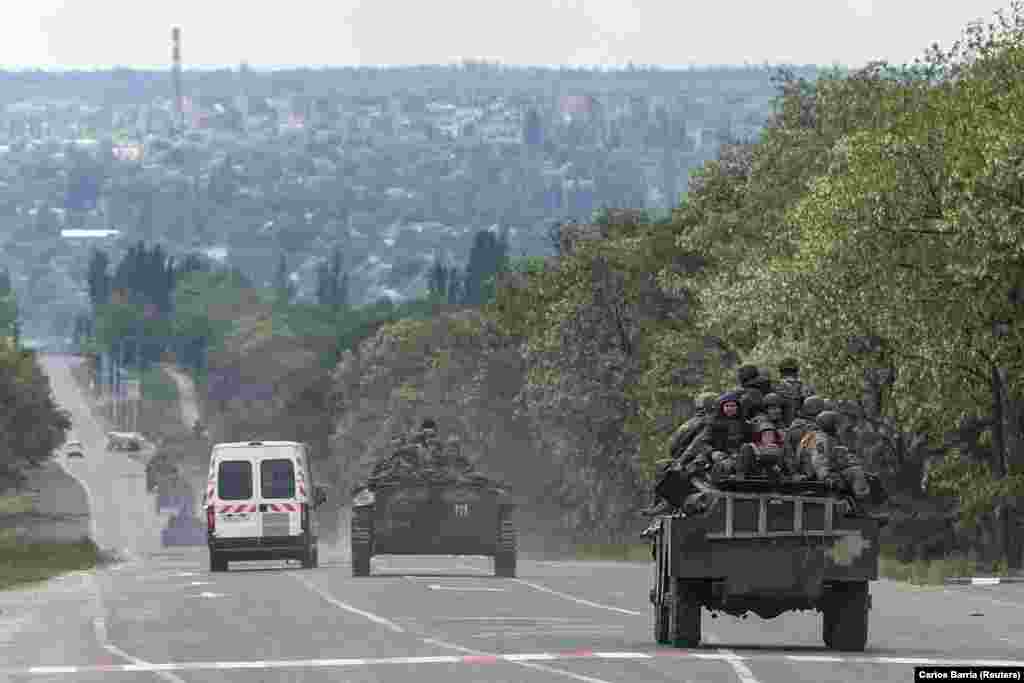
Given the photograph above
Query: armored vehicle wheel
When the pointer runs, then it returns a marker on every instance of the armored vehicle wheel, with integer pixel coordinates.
(684, 613)
(845, 620)
(362, 540)
(218, 563)
(505, 558)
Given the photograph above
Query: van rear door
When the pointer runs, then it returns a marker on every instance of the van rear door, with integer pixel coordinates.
(280, 511)
(234, 502)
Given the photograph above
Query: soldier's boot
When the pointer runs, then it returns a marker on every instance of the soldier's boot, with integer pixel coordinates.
(662, 507)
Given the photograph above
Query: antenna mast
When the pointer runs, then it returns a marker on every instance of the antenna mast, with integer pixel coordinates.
(179, 110)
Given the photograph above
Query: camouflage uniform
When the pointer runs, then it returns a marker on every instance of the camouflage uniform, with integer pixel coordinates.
(705, 405)
(830, 460)
(720, 441)
(803, 424)
(792, 388)
(404, 461)
(765, 455)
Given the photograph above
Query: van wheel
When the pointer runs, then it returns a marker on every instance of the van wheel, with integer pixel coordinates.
(362, 540)
(218, 563)
(309, 558)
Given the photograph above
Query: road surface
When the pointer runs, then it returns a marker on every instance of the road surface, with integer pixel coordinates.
(163, 616)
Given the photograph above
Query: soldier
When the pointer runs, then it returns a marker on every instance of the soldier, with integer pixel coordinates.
(720, 441)
(792, 388)
(765, 455)
(824, 451)
(804, 423)
(705, 405)
(751, 404)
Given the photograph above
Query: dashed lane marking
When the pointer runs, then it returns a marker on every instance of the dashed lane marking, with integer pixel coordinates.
(375, 618)
(437, 587)
(514, 658)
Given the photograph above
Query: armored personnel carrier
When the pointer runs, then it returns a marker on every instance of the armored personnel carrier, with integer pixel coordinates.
(766, 547)
(433, 515)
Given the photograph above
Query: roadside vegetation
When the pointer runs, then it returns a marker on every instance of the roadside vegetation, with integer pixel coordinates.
(23, 564)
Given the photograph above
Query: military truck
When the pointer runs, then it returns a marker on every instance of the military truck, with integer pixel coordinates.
(766, 547)
(433, 517)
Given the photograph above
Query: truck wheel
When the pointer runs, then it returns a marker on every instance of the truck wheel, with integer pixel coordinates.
(684, 613)
(847, 626)
(362, 540)
(218, 563)
(505, 558)
(661, 624)
(828, 623)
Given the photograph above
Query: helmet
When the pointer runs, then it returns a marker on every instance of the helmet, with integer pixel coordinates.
(773, 399)
(828, 421)
(706, 402)
(747, 373)
(789, 365)
(812, 406)
(728, 397)
(428, 424)
(752, 400)
(830, 404)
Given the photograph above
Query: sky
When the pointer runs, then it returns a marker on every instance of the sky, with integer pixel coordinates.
(56, 34)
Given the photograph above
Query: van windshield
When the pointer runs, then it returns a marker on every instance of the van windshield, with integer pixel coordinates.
(234, 480)
(277, 479)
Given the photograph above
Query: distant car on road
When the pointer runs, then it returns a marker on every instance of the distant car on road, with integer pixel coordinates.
(74, 449)
(132, 442)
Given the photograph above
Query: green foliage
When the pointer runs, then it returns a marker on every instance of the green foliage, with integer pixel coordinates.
(28, 563)
(31, 425)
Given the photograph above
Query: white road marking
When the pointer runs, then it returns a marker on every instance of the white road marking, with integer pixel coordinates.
(437, 587)
(476, 658)
(521, 661)
(377, 619)
(206, 594)
(579, 601)
(199, 583)
(742, 670)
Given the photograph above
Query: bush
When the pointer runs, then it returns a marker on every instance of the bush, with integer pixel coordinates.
(27, 563)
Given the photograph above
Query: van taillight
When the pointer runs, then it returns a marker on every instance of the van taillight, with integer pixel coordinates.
(211, 519)
(305, 513)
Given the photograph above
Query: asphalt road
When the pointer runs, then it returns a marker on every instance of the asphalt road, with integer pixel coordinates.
(164, 617)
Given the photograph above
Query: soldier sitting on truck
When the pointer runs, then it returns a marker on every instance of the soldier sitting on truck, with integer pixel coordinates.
(764, 456)
(713, 451)
(792, 388)
(832, 462)
(803, 424)
(404, 460)
(705, 407)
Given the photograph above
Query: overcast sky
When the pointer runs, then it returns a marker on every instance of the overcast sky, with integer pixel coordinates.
(104, 33)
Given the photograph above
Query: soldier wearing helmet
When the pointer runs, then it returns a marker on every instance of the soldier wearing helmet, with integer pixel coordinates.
(803, 424)
(714, 446)
(823, 450)
(705, 405)
(791, 387)
(765, 454)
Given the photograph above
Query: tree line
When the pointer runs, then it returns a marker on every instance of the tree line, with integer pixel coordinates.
(873, 231)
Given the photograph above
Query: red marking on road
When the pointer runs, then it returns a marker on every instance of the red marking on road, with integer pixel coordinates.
(480, 659)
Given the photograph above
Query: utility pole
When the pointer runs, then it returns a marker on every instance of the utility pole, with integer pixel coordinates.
(179, 109)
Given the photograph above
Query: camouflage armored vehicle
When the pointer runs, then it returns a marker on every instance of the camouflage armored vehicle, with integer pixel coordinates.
(433, 516)
(766, 547)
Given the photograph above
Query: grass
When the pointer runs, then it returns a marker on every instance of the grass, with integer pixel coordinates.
(614, 552)
(27, 563)
(14, 505)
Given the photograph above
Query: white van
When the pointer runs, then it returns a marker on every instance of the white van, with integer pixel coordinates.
(260, 498)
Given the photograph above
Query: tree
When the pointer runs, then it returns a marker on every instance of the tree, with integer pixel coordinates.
(32, 426)
(487, 258)
(332, 283)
